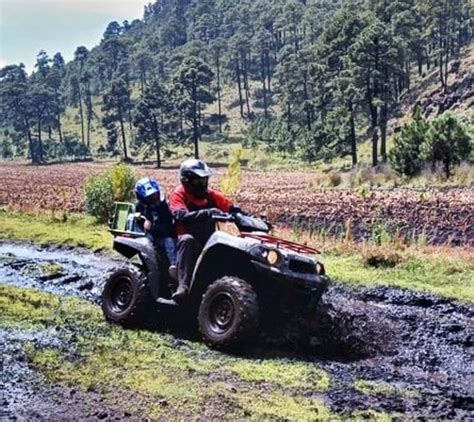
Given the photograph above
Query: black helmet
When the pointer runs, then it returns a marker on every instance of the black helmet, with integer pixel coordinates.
(194, 175)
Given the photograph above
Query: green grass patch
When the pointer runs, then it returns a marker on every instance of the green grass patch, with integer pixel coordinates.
(383, 388)
(450, 275)
(285, 374)
(282, 407)
(148, 367)
(50, 228)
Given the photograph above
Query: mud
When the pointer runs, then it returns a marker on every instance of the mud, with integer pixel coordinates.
(414, 351)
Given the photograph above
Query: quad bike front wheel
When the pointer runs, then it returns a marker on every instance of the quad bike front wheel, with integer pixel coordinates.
(126, 298)
(228, 314)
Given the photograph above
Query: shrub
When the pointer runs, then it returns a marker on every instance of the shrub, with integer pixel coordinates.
(405, 155)
(230, 184)
(447, 142)
(335, 179)
(102, 190)
(380, 257)
(444, 140)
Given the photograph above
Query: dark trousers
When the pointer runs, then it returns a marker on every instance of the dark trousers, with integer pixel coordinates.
(189, 249)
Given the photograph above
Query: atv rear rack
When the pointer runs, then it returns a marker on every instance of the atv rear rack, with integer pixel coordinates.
(280, 243)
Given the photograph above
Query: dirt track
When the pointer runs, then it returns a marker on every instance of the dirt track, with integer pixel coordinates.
(419, 343)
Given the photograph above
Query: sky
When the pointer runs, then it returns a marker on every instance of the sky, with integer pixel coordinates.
(27, 26)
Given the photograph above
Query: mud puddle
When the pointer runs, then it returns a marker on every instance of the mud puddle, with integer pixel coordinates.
(386, 349)
(55, 270)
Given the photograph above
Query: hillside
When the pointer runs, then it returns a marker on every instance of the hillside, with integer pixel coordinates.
(305, 80)
(458, 99)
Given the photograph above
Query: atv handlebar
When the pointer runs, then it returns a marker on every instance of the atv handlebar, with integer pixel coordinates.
(223, 218)
(245, 223)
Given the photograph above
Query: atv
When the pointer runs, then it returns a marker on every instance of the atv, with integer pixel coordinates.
(239, 281)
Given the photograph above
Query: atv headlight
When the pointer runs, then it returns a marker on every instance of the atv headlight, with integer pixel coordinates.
(273, 257)
(320, 270)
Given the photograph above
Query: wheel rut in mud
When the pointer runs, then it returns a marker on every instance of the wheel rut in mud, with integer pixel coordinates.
(386, 349)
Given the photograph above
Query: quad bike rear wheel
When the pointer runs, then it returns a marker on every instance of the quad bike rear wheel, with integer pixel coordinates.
(126, 298)
(228, 314)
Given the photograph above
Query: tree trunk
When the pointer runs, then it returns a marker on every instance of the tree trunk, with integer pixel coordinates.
(307, 106)
(40, 142)
(352, 135)
(246, 85)
(195, 125)
(82, 115)
(60, 132)
(375, 138)
(264, 88)
(288, 116)
(269, 73)
(219, 104)
(31, 146)
(239, 87)
(124, 140)
(383, 133)
(156, 134)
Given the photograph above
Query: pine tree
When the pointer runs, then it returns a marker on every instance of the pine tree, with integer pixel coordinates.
(190, 89)
(150, 114)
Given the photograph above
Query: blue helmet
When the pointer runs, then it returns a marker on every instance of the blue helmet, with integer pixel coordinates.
(145, 188)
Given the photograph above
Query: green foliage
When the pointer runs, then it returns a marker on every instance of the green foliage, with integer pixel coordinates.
(231, 182)
(443, 140)
(101, 191)
(405, 155)
(447, 142)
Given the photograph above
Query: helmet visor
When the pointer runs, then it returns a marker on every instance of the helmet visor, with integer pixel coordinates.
(199, 182)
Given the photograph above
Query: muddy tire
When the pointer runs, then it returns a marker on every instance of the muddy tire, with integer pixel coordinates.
(126, 298)
(228, 314)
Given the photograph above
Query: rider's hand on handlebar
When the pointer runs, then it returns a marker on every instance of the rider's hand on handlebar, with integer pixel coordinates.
(211, 212)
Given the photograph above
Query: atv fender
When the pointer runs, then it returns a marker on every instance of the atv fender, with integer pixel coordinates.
(219, 240)
(143, 247)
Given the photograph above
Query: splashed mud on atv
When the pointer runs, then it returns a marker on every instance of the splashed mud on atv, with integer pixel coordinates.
(386, 349)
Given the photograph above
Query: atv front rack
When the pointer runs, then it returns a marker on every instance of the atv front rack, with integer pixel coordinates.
(280, 243)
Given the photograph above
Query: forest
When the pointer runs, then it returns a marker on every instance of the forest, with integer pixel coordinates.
(309, 78)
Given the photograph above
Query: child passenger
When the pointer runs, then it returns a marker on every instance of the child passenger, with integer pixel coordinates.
(157, 218)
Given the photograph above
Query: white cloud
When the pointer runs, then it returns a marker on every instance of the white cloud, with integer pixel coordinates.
(130, 9)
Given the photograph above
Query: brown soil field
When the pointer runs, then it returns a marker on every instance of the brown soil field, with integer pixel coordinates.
(435, 216)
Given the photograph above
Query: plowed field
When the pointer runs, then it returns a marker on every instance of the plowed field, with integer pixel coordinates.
(436, 215)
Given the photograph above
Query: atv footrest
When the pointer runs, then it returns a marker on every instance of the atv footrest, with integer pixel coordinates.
(169, 302)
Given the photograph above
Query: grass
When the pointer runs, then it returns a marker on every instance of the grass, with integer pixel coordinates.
(160, 377)
(50, 228)
(448, 272)
(373, 388)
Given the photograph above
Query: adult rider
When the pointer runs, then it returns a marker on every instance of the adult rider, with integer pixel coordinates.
(193, 204)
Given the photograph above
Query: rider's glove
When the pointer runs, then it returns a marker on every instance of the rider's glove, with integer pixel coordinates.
(210, 212)
(237, 210)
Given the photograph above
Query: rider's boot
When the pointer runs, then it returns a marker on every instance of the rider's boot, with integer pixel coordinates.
(181, 293)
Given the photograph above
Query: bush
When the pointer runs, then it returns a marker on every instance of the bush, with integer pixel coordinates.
(447, 142)
(381, 257)
(405, 155)
(115, 185)
(444, 140)
(231, 182)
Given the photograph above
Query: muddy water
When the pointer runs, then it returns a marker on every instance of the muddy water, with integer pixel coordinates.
(55, 270)
(414, 351)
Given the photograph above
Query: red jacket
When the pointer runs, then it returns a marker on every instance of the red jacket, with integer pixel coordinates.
(182, 200)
